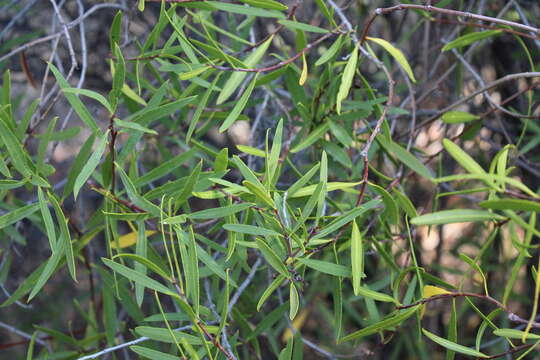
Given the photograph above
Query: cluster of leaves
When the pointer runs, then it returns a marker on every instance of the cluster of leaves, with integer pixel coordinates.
(225, 253)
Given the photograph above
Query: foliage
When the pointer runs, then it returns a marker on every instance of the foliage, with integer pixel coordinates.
(311, 238)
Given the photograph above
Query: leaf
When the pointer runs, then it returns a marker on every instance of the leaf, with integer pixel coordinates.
(90, 165)
(164, 335)
(217, 212)
(347, 218)
(259, 193)
(470, 38)
(430, 290)
(238, 76)
(270, 289)
(332, 50)
(455, 216)
(453, 346)
(386, 323)
(129, 239)
(245, 10)
(47, 219)
(271, 257)
(375, 295)
(18, 214)
(458, 117)
(78, 164)
(239, 106)
(294, 301)
(396, 54)
(14, 149)
(74, 101)
(357, 258)
(405, 157)
(515, 334)
(304, 74)
(151, 353)
(347, 78)
(326, 267)
(511, 204)
(91, 94)
(464, 159)
(137, 277)
(133, 126)
(315, 135)
(147, 263)
(250, 229)
(65, 237)
(266, 4)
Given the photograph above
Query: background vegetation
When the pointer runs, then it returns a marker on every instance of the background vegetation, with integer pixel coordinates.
(261, 179)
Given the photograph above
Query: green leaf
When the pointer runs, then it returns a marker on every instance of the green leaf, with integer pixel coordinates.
(462, 158)
(137, 277)
(238, 76)
(357, 258)
(375, 295)
(302, 181)
(511, 204)
(147, 263)
(347, 78)
(272, 258)
(332, 50)
(294, 301)
(396, 54)
(239, 106)
(250, 229)
(245, 10)
(251, 150)
(458, 117)
(453, 346)
(386, 323)
(315, 135)
(455, 216)
(165, 168)
(266, 4)
(90, 165)
(65, 235)
(74, 101)
(470, 38)
(259, 193)
(217, 212)
(78, 164)
(273, 157)
(270, 289)
(152, 354)
(405, 157)
(14, 149)
(347, 218)
(91, 94)
(326, 267)
(133, 126)
(18, 214)
(47, 218)
(164, 335)
(515, 334)
(294, 25)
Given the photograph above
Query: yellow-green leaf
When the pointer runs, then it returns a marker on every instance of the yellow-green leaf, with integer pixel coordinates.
(396, 54)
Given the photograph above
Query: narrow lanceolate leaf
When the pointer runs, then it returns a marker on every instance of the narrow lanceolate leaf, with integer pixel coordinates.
(357, 258)
(405, 157)
(469, 39)
(386, 323)
(74, 101)
(65, 236)
(17, 214)
(239, 106)
(47, 218)
(511, 204)
(272, 258)
(326, 267)
(463, 158)
(375, 295)
(217, 212)
(332, 50)
(315, 135)
(455, 216)
(90, 165)
(270, 289)
(396, 54)
(137, 277)
(250, 229)
(273, 157)
(304, 74)
(238, 76)
(295, 25)
(294, 301)
(14, 149)
(453, 346)
(347, 78)
(152, 354)
(458, 117)
(516, 334)
(133, 126)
